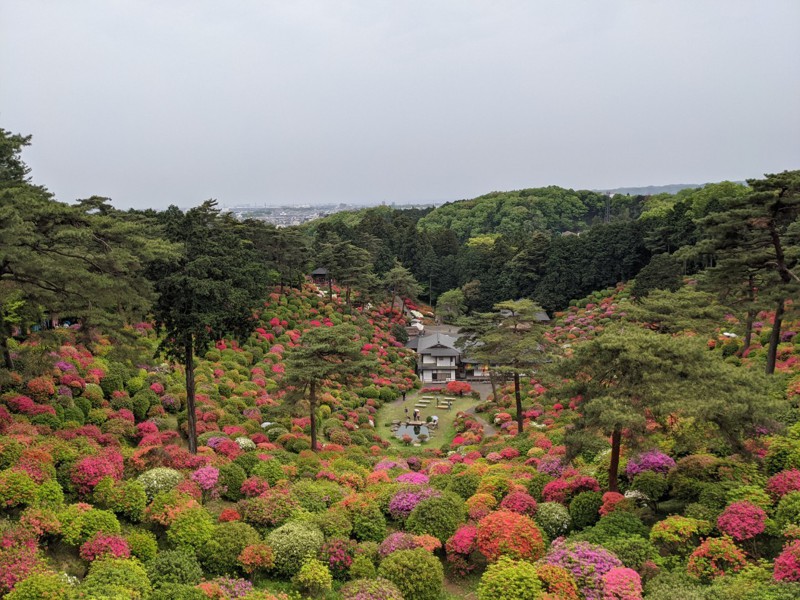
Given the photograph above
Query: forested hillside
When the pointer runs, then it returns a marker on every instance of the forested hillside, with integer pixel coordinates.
(185, 414)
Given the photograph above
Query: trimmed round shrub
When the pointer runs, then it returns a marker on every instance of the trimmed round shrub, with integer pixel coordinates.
(586, 562)
(101, 546)
(634, 551)
(369, 524)
(553, 519)
(270, 470)
(317, 496)
(79, 524)
(509, 579)
(231, 478)
(362, 567)
(616, 524)
(256, 557)
(416, 573)
(41, 586)
(370, 589)
(292, 544)
(557, 582)
(439, 517)
(652, 484)
(787, 564)
(742, 520)
(464, 484)
(505, 533)
(160, 479)
(220, 555)
(584, 509)
(127, 498)
(174, 566)
(16, 489)
(143, 544)
(622, 583)
(117, 577)
(519, 502)
(271, 508)
(788, 511)
(191, 529)
(715, 557)
(313, 578)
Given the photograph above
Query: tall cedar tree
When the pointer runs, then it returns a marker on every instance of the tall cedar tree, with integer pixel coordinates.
(401, 282)
(628, 375)
(509, 340)
(211, 291)
(757, 238)
(325, 353)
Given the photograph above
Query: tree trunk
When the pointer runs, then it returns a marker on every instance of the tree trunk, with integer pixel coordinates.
(330, 287)
(775, 338)
(347, 297)
(613, 468)
(518, 396)
(190, 408)
(748, 330)
(493, 383)
(7, 360)
(312, 401)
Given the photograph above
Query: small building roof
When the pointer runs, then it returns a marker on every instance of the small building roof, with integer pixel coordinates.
(320, 271)
(436, 351)
(436, 339)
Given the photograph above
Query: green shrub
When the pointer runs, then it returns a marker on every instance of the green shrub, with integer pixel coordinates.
(464, 485)
(416, 573)
(127, 498)
(247, 461)
(788, 511)
(583, 509)
(219, 556)
(292, 544)
(191, 529)
(616, 524)
(119, 576)
(369, 524)
(334, 522)
(362, 567)
(317, 496)
(439, 517)
(633, 550)
(174, 566)
(39, 586)
(651, 484)
(231, 478)
(94, 394)
(509, 579)
(143, 544)
(50, 495)
(553, 519)
(78, 525)
(270, 470)
(536, 485)
(313, 578)
(16, 489)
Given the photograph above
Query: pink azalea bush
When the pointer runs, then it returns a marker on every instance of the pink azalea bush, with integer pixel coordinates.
(782, 483)
(622, 583)
(652, 460)
(742, 520)
(102, 545)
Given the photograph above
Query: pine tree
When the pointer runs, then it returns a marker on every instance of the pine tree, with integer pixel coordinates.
(325, 353)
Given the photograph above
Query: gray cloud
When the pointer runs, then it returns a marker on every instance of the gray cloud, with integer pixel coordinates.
(153, 103)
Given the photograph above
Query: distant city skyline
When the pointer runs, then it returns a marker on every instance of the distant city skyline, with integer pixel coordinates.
(312, 102)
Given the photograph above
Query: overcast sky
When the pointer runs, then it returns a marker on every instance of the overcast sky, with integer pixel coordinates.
(164, 102)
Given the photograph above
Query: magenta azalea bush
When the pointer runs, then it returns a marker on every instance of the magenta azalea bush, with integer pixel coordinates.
(586, 562)
(652, 460)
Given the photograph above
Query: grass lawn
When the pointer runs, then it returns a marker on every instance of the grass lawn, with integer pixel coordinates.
(396, 411)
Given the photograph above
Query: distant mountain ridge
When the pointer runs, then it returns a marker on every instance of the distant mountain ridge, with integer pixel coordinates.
(651, 190)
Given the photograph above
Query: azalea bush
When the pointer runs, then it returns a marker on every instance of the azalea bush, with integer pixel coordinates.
(505, 533)
(509, 579)
(715, 557)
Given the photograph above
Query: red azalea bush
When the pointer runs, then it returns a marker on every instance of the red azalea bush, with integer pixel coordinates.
(506, 533)
(88, 472)
(257, 557)
(716, 557)
(102, 545)
(787, 564)
(557, 582)
(742, 520)
(519, 502)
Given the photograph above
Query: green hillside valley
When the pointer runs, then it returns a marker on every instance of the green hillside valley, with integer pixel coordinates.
(540, 394)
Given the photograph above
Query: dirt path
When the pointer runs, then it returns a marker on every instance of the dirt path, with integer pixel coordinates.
(488, 428)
